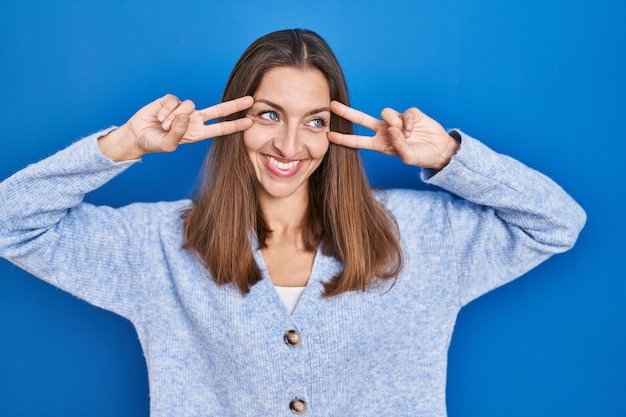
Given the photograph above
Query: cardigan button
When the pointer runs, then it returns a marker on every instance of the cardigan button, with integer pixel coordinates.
(293, 338)
(297, 406)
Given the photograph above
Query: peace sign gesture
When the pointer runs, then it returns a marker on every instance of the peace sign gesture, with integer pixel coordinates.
(196, 129)
(167, 122)
(413, 136)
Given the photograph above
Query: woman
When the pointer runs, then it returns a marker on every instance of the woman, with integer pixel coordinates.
(287, 286)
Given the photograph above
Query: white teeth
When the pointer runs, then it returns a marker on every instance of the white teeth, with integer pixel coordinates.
(283, 166)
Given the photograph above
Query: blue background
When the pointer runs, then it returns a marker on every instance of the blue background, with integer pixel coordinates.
(541, 80)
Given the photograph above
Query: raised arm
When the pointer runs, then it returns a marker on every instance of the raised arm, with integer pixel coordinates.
(96, 252)
(509, 217)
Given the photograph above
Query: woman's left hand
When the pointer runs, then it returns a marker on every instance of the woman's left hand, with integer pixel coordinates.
(413, 136)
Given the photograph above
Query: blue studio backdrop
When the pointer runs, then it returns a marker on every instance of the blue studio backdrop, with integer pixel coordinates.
(541, 80)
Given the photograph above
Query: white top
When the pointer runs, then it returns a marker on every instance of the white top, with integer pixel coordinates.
(289, 296)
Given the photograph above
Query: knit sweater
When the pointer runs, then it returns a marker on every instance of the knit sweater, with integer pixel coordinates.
(211, 351)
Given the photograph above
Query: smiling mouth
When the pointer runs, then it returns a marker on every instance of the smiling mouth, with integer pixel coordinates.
(282, 168)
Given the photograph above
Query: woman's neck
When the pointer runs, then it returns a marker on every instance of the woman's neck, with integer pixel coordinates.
(284, 216)
(287, 260)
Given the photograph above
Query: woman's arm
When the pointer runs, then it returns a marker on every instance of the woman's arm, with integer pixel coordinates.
(94, 252)
(509, 217)
(46, 229)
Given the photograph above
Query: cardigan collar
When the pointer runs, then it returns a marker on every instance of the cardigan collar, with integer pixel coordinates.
(311, 304)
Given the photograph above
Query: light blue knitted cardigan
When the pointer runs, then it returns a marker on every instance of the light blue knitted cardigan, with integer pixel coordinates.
(212, 352)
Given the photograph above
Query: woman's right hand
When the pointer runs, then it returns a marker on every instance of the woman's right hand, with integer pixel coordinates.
(168, 122)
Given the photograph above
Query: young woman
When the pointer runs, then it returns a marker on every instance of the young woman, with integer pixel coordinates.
(287, 286)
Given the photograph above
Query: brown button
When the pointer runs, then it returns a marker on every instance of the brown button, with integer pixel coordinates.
(297, 406)
(293, 338)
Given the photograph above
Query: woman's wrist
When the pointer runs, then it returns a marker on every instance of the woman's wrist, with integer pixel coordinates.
(120, 145)
(449, 150)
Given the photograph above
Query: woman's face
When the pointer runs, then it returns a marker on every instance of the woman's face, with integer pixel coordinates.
(287, 141)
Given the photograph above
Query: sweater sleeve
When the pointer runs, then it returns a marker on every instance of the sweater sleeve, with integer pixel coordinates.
(508, 219)
(47, 229)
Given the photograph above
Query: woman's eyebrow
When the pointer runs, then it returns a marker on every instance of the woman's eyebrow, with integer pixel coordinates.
(282, 110)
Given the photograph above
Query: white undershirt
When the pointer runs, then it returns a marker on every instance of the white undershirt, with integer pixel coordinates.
(289, 296)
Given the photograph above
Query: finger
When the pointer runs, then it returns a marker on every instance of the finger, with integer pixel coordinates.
(410, 117)
(168, 103)
(398, 140)
(222, 129)
(392, 117)
(226, 128)
(226, 108)
(396, 120)
(351, 141)
(403, 121)
(186, 107)
(355, 116)
(177, 130)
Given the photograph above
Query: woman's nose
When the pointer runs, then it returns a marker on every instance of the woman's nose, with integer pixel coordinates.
(287, 142)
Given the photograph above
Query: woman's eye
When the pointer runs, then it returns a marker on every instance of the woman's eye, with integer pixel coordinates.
(269, 115)
(317, 123)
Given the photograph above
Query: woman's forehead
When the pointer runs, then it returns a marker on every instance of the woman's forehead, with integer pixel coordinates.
(295, 88)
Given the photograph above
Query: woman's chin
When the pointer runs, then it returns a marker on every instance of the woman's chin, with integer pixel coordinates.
(280, 191)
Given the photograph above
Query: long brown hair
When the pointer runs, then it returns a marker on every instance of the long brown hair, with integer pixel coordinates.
(221, 225)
